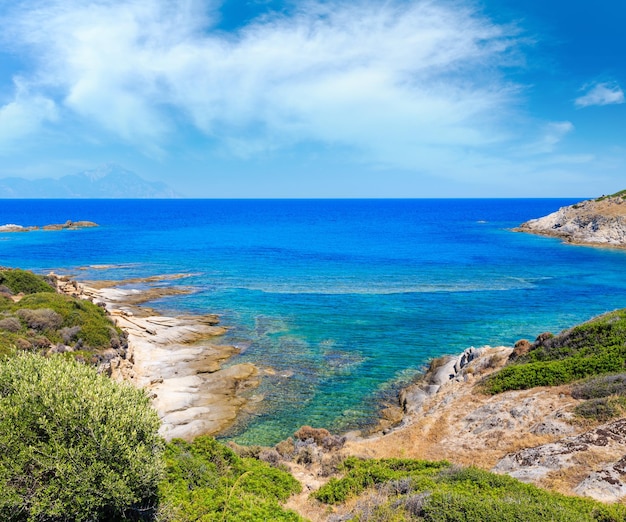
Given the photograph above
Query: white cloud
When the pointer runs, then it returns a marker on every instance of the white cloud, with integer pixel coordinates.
(385, 79)
(23, 115)
(601, 94)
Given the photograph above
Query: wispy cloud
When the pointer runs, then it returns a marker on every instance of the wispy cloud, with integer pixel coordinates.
(23, 115)
(607, 93)
(389, 80)
(551, 135)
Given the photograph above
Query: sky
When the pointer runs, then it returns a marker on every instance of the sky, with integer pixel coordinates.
(319, 98)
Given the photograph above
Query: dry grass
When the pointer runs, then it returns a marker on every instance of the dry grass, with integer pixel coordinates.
(442, 431)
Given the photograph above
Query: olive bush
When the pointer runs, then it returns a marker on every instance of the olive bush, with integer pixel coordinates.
(74, 445)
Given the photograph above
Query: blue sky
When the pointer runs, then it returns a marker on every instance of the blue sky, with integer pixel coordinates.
(269, 98)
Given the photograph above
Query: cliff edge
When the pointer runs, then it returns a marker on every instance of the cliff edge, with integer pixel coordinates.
(600, 221)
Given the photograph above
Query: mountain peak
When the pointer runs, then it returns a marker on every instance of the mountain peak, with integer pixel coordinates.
(106, 181)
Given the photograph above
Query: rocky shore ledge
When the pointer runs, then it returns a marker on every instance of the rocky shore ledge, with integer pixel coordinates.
(600, 222)
(529, 434)
(178, 360)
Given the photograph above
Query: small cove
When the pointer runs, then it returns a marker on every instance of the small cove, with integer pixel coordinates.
(337, 301)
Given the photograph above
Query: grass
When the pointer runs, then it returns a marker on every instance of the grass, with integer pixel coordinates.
(620, 194)
(403, 490)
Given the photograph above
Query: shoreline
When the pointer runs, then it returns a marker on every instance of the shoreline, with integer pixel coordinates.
(177, 359)
(569, 240)
(529, 434)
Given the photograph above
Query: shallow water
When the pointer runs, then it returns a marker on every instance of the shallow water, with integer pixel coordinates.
(340, 299)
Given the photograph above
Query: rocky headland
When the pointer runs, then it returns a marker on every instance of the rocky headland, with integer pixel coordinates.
(533, 435)
(68, 225)
(600, 222)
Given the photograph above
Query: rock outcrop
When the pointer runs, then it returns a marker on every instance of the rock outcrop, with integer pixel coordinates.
(599, 451)
(177, 360)
(441, 371)
(68, 225)
(599, 221)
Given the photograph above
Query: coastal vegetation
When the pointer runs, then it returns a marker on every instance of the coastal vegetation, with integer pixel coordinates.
(206, 481)
(17, 281)
(593, 348)
(75, 445)
(400, 490)
(605, 397)
(34, 318)
(621, 194)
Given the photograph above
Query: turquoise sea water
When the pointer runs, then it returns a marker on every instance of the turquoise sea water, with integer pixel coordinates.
(342, 299)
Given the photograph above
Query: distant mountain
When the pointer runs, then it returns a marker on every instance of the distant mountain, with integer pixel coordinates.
(108, 181)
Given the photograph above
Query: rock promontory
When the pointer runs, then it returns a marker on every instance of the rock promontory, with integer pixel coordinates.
(600, 221)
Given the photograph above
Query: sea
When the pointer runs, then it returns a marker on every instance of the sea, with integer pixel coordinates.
(339, 302)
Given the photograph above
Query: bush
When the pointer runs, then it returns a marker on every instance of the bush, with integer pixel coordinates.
(315, 434)
(599, 387)
(10, 324)
(207, 481)
(360, 474)
(402, 490)
(22, 281)
(41, 319)
(593, 348)
(96, 330)
(601, 409)
(75, 445)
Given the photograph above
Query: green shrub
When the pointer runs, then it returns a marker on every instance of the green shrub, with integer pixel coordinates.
(437, 492)
(74, 444)
(23, 281)
(207, 481)
(76, 320)
(361, 474)
(551, 373)
(593, 348)
(7, 343)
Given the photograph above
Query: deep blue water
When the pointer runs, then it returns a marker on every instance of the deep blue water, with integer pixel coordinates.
(342, 299)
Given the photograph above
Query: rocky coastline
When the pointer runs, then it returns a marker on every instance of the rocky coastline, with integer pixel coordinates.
(597, 222)
(177, 360)
(529, 434)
